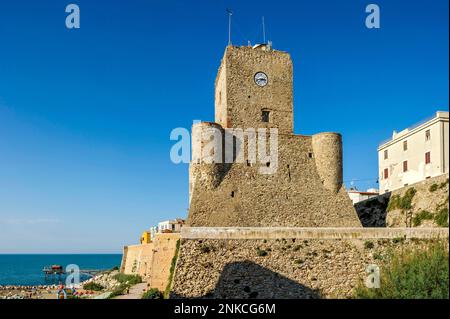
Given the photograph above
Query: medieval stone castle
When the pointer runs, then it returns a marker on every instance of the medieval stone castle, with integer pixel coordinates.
(254, 89)
(288, 232)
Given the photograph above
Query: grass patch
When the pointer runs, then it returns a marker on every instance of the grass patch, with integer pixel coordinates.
(433, 188)
(152, 294)
(402, 202)
(378, 256)
(129, 280)
(172, 270)
(441, 218)
(412, 274)
(120, 290)
(93, 286)
(420, 217)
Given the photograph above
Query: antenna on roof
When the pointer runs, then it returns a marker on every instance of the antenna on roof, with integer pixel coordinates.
(264, 30)
(230, 13)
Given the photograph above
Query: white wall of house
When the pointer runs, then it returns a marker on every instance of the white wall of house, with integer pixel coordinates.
(357, 197)
(403, 161)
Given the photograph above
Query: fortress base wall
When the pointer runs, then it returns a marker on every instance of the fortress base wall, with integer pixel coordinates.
(295, 195)
(151, 261)
(291, 263)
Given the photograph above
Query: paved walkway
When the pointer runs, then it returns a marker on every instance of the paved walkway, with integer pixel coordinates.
(136, 292)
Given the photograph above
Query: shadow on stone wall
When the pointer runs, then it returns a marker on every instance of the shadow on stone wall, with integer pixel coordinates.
(248, 280)
(372, 212)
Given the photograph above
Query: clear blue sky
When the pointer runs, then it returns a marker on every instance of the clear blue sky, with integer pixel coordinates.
(85, 115)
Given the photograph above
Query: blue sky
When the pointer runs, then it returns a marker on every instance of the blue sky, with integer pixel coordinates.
(85, 115)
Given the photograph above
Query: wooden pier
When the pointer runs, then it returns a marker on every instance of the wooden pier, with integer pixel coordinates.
(58, 270)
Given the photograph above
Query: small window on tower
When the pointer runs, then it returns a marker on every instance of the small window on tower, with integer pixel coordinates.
(265, 116)
(405, 145)
(427, 135)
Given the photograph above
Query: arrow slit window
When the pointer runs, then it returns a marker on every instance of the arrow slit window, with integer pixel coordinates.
(265, 116)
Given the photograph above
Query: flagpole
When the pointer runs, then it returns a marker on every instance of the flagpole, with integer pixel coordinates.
(230, 13)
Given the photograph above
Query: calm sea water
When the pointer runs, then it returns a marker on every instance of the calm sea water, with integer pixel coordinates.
(27, 269)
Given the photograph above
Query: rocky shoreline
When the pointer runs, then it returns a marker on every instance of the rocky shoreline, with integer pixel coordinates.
(28, 292)
(49, 291)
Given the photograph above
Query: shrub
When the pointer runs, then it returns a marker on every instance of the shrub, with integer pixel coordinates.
(120, 290)
(172, 270)
(378, 256)
(412, 274)
(421, 216)
(93, 286)
(261, 252)
(393, 203)
(433, 188)
(398, 240)
(441, 218)
(368, 244)
(404, 202)
(152, 294)
(128, 279)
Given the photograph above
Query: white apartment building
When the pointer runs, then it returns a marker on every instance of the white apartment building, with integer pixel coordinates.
(414, 154)
(358, 196)
(173, 226)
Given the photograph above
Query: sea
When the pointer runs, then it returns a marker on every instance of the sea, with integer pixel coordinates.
(26, 270)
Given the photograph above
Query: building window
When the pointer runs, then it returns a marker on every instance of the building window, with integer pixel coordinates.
(265, 116)
(386, 173)
(405, 145)
(405, 166)
(385, 154)
(427, 157)
(427, 135)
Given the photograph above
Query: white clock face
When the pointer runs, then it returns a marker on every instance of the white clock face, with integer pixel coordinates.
(261, 79)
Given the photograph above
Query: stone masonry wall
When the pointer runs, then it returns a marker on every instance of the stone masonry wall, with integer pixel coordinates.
(244, 99)
(278, 268)
(431, 196)
(294, 196)
(151, 261)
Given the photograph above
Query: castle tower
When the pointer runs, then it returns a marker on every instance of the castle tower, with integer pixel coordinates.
(302, 186)
(327, 149)
(254, 89)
